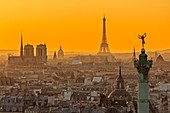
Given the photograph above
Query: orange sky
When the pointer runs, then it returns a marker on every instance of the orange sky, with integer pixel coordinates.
(77, 24)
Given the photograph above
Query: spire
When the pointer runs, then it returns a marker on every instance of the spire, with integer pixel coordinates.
(60, 47)
(120, 81)
(120, 75)
(55, 56)
(134, 54)
(104, 30)
(104, 18)
(21, 48)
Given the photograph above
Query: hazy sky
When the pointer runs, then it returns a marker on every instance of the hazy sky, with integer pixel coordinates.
(77, 24)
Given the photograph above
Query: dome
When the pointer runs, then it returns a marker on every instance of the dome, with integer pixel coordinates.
(160, 59)
(120, 93)
(60, 53)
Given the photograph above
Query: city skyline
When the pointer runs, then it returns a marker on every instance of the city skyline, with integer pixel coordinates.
(85, 56)
(74, 24)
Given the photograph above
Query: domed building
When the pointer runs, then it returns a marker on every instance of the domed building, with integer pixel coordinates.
(160, 59)
(160, 63)
(60, 53)
(118, 97)
(120, 92)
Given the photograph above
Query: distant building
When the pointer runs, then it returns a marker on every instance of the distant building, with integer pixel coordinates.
(161, 63)
(55, 56)
(86, 96)
(60, 53)
(21, 48)
(120, 92)
(94, 58)
(20, 103)
(12, 104)
(80, 81)
(41, 53)
(27, 56)
(160, 59)
(28, 50)
(118, 97)
(6, 81)
(76, 62)
(134, 55)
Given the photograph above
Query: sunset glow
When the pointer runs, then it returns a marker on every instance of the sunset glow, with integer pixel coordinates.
(77, 24)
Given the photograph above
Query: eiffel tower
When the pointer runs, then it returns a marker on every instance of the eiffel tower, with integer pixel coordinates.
(104, 47)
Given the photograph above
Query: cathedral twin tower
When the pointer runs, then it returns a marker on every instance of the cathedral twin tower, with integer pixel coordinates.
(28, 50)
(27, 56)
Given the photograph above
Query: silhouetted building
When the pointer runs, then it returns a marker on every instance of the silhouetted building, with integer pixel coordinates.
(60, 53)
(27, 56)
(118, 97)
(160, 59)
(95, 58)
(55, 56)
(134, 55)
(120, 92)
(29, 50)
(161, 63)
(21, 48)
(41, 53)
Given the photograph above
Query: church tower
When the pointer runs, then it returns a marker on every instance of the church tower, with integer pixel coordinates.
(21, 48)
(120, 80)
(55, 56)
(104, 47)
(134, 55)
(120, 93)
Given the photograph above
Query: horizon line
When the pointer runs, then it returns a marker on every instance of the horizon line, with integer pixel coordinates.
(75, 51)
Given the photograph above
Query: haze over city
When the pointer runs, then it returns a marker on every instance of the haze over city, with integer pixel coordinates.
(77, 25)
(84, 56)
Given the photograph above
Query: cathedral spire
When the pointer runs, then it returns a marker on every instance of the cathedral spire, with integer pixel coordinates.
(55, 56)
(134, 54)
(120, 81)
(120, 74)
(21, 48)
